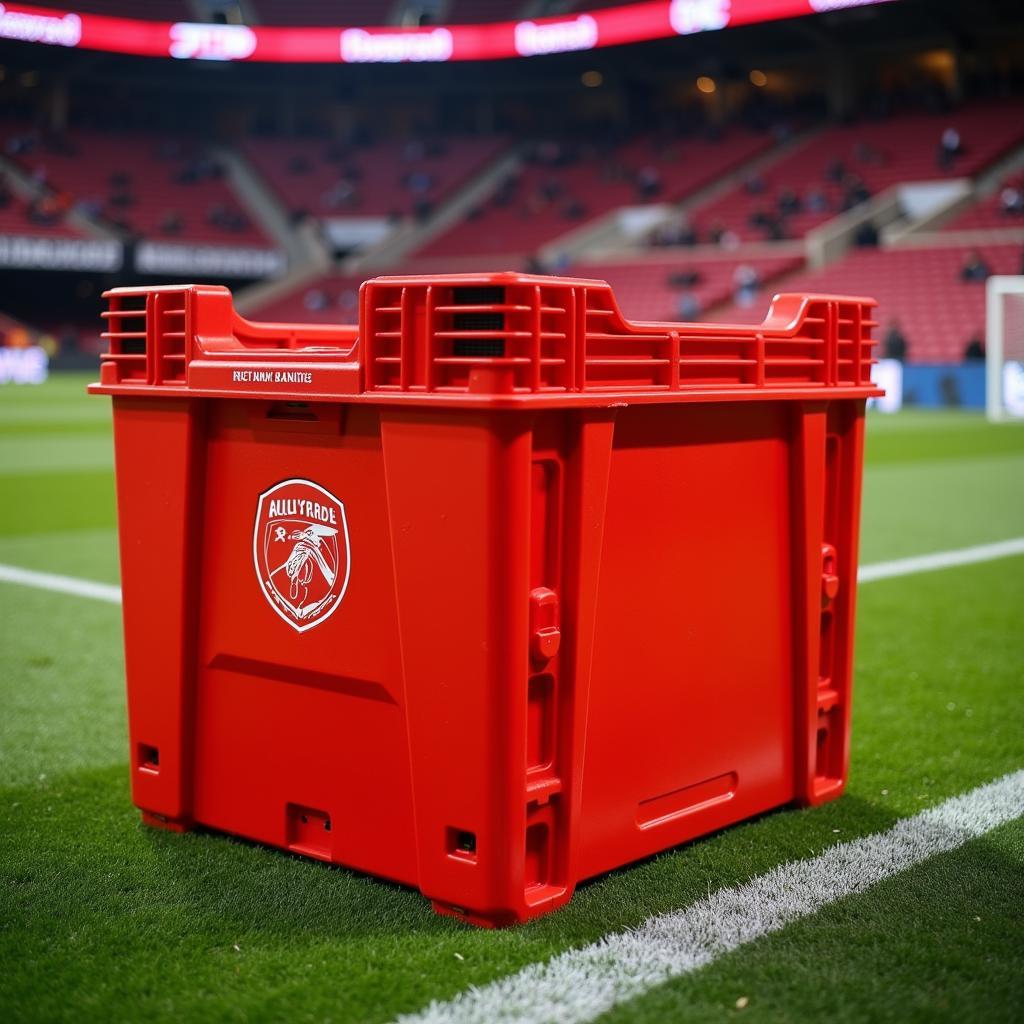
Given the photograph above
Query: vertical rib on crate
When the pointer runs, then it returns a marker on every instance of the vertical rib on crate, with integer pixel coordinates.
(125, 361)
(802, 357)
(169, 332)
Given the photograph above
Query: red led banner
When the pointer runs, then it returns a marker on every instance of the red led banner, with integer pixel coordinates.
(585, 30)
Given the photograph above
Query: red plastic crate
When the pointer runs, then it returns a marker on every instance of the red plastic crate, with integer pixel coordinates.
(496, 591)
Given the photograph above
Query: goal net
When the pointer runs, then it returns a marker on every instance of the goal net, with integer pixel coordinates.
(1004, 346)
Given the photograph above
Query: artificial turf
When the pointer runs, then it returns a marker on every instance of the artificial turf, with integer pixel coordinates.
(101, 918)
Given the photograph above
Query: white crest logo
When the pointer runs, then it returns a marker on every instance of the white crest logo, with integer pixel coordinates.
(300, 548)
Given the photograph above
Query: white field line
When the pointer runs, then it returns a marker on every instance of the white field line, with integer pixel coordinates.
(60, 584)
(940, 560)
(582, 984)
(866, 573)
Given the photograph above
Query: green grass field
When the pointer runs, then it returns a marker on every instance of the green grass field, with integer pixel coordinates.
(102, 919)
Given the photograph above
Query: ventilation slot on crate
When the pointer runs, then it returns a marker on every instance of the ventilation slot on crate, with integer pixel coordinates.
(169, 332)
(461, 844)
(308, 831)
(478, 320)
(387, 312)
(125, 362)
(480, 339)
(148, 759)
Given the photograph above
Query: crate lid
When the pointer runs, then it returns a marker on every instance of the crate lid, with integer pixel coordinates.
(503, 339)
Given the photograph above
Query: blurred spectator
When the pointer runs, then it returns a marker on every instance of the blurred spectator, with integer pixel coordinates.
(769, 224)
(221, 216)
(550, 189)
(559, 262)
(788, 202)
(418, 182)
(867, 154)
(6, 196)
(817, 201)
(348, 300)
(172, 223)
(1011, 201)
(950, 147)
(895, 344)
(216, 214)
(45, 209)
(341, 193)
(648, 182)
(974, 350)
(21, 145)
(550, 153)
(726, 238)
(685, 278)
(315, 300)
(835, 171)
(121, 191)
(866, 236)
(413, 150)
(754, 184)
(745, 281)
(89, 206)
(975, 269)
(689, 306)
(855, 192)
(758, 217)
(199, 168)
(678, 232)
(574, 210)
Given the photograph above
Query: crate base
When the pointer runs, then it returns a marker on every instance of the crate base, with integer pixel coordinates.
(167, 824)
(504, 920)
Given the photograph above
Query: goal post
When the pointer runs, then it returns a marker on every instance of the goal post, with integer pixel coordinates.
(1004, 347)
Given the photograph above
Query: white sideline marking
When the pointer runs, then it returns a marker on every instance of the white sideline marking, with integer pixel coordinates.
(62, 584)
(582, 984)
(866, 573)
(941, 560)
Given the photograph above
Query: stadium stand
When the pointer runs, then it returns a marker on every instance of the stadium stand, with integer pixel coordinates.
(842, 166)
(43, 216)
(1003, 209)
(383, 179)
(563, 187)
(646, 291)
(148, 186)
(921, 289)
(657, 289)
(329, 299)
